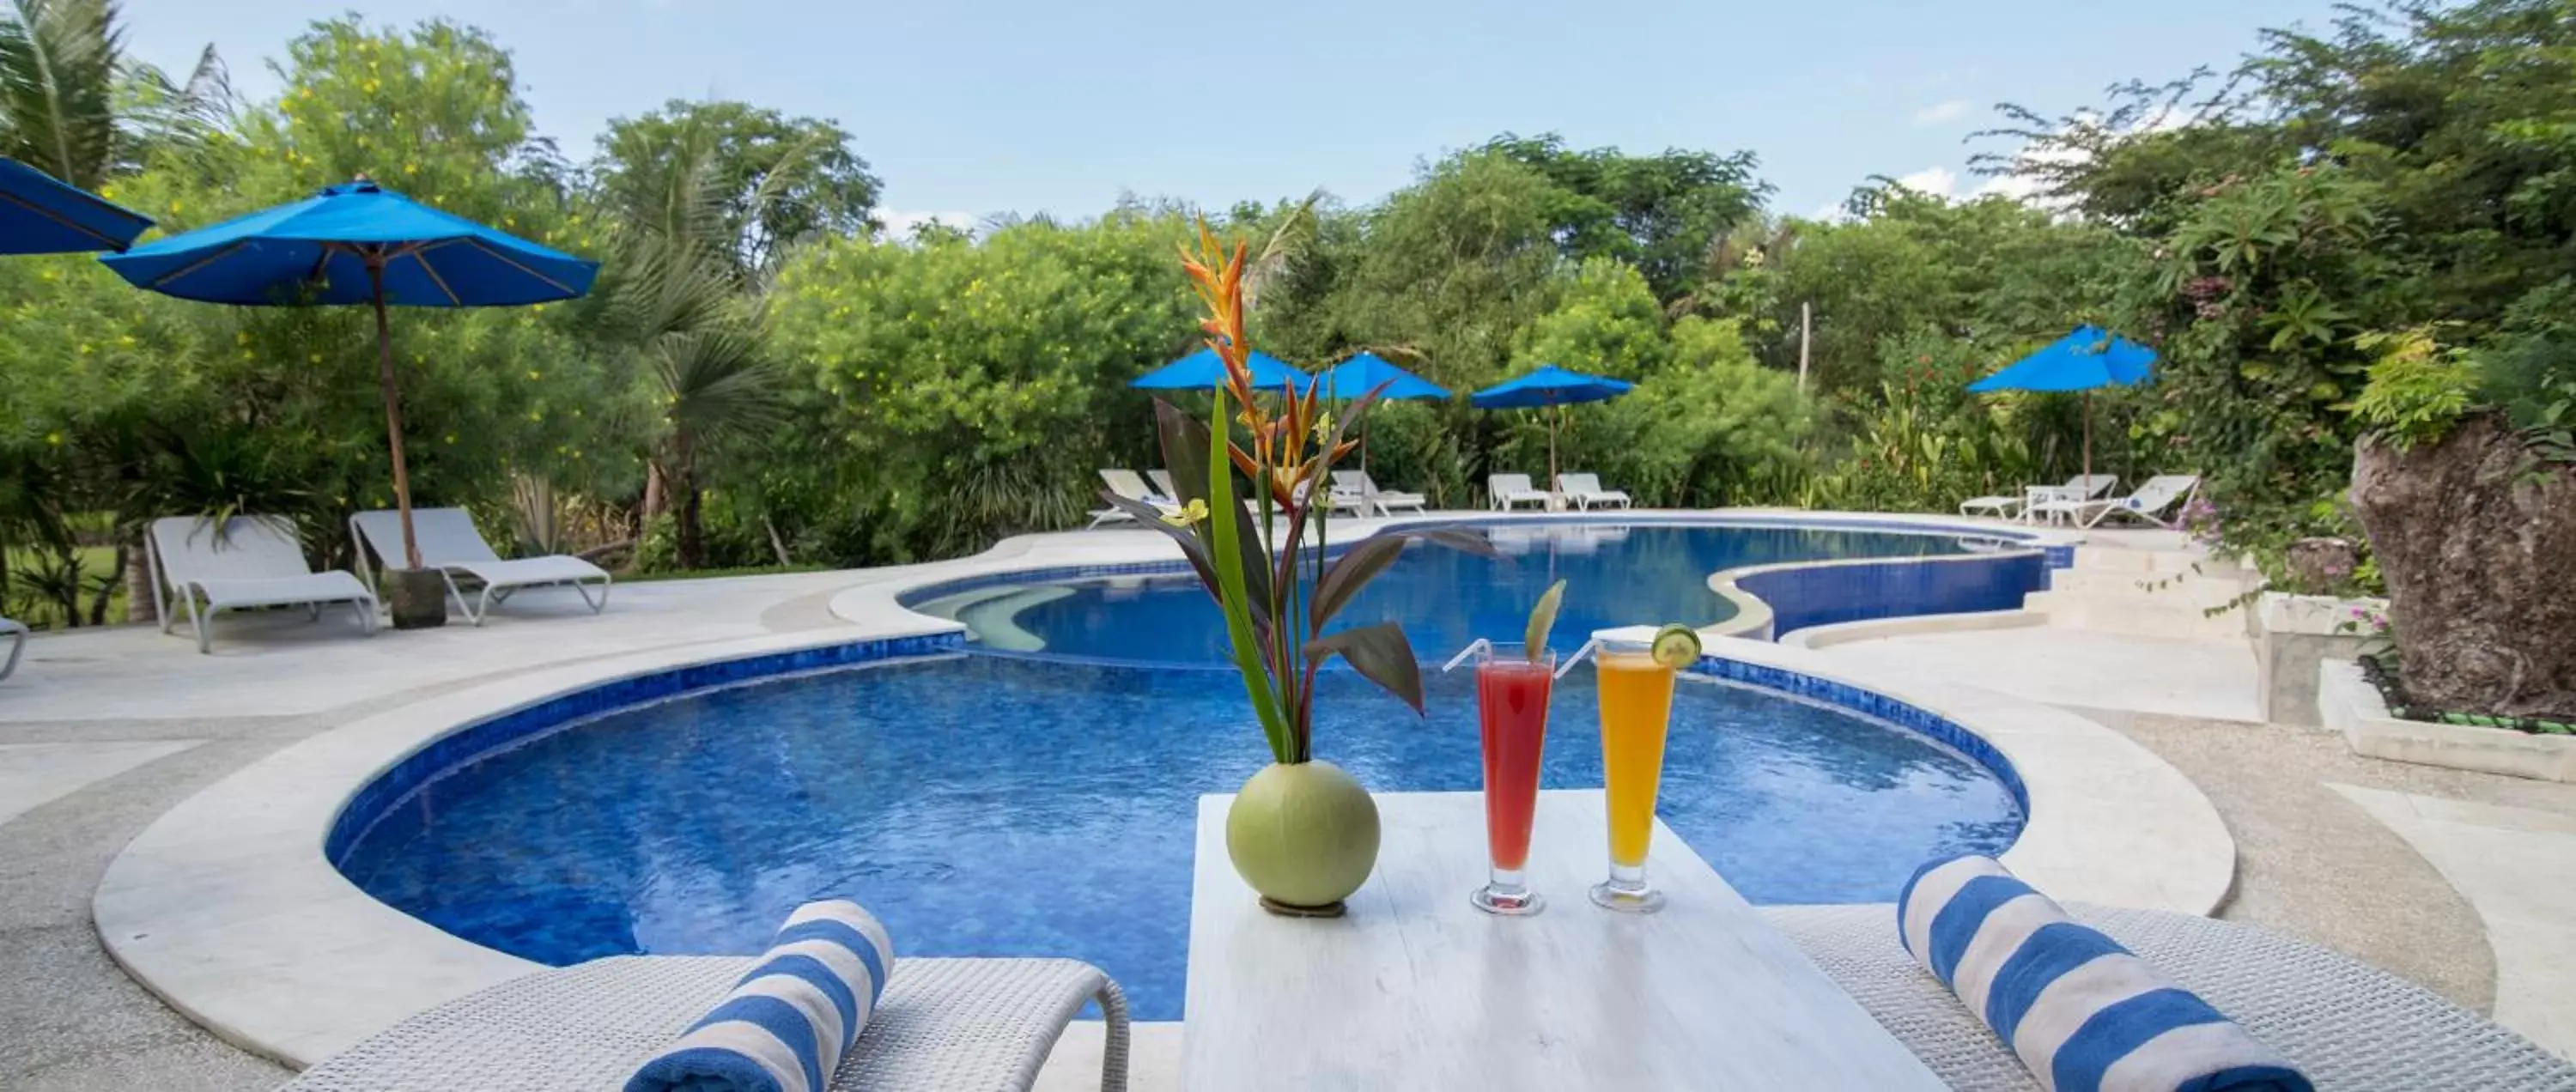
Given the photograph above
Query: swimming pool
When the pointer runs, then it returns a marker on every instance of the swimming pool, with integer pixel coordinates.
(1617, 573)
(1007, 805)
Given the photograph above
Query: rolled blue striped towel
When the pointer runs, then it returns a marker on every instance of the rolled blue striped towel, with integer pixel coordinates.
(786, 1024)
(2083, 1013)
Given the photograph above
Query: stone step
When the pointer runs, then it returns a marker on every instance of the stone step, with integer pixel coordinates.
(2183, 587)
(2115, 559)
(2141, 615)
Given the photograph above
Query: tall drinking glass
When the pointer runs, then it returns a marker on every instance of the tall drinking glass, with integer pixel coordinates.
(1511, 706)
(1636, 709)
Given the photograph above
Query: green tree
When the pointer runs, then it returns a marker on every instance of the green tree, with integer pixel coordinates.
(978, 383)
(776, 180)
(1664, 214)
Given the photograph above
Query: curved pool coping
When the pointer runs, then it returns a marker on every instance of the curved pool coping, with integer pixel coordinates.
(1753, 615)
(228, 907)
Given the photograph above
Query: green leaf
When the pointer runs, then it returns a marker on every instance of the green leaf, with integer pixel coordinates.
(1380, 654)
(1189, 450)
(1226, 556)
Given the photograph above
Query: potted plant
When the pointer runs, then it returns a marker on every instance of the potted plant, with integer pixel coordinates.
(1302, 832)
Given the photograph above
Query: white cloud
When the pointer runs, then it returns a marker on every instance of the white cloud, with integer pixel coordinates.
(1939, 112)
(1936, 181)
(899, 223)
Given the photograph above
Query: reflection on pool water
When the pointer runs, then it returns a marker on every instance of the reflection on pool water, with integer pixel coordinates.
(1002, 805)
(1616, 574)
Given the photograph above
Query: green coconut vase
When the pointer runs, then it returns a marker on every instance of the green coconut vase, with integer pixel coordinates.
(1304, 836)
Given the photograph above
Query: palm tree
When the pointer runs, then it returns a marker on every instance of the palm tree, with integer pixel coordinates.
(684, 303)
(74, 106)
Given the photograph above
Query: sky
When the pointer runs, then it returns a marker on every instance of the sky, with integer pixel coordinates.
(967, 108)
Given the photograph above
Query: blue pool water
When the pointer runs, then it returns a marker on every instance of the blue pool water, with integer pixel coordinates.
(1005, 805)
(1615, 574)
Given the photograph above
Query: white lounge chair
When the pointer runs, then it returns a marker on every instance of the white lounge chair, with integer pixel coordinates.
(1359, 484)
(251, 561)
(2079, 487)
(2147, 504)
(16, 632)
(1585, 491)
(1125, 483)
(450, 544)
(1163, 484)
(1507, 491)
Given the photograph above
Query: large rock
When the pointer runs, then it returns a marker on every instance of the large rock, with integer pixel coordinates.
(2477, 542)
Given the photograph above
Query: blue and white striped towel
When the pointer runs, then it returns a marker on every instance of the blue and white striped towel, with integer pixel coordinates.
(2082, 1012)
(787, 1023)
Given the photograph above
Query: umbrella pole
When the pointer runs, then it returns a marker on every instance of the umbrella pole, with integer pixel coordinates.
(2088, 440)
(393, 408)
(1554, 502)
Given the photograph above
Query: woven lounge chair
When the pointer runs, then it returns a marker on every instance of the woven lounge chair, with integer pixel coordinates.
(1507, 491)
(450, 544)
(944, 1025)
(2079, 487)
(251, 561)
(16, 632)
(2344, 1023)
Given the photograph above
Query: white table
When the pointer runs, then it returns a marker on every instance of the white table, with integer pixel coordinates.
(1417, 989)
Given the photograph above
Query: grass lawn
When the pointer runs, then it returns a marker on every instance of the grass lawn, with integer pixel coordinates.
(23, 601)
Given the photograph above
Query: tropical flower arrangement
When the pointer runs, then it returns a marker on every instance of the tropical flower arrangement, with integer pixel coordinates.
(1297, 829)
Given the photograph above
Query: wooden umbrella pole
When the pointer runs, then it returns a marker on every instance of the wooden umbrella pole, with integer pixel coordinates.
(375, 260)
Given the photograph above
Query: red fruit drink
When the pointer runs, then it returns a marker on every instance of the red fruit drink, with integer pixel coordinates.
(1511, 702)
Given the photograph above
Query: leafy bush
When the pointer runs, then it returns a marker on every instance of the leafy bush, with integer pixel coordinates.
(2417, 390)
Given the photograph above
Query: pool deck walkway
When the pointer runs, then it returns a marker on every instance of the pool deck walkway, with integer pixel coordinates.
(101, 732)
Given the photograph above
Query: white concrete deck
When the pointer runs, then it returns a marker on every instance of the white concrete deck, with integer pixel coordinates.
(2210, 680)
(2517, 866)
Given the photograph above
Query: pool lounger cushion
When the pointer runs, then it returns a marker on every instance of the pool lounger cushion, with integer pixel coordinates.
(2344, 1023)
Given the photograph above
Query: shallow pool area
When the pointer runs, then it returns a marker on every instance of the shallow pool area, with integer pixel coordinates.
(1005, 805)
(1618, 571)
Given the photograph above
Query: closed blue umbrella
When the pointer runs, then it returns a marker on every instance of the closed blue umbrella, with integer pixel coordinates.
(1550, 386)
(40, 214)
(1204, 370)
(2085, 359)
(358, 243)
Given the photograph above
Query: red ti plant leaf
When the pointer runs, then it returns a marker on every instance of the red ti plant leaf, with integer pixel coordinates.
(1185, 453)
(1379, 653)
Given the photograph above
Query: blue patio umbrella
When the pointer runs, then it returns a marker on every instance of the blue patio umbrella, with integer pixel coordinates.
(1367, 372)
(1205, 371)
(1547, 387)
(358, 243)
(40, 214)
(2086, 358)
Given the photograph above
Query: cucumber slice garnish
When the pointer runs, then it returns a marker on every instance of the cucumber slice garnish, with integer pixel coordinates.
(1676, 646)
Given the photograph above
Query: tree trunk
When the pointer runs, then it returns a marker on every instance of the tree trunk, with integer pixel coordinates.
(138, 581)
(689, 538)
(2477, 542)
(107, 588)
(656, 494)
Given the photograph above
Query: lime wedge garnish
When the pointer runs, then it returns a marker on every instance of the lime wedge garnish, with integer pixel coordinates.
(1676, 646)
(1543, 619)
